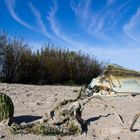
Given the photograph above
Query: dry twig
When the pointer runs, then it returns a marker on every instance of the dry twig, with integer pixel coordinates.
(120, 118)
(134, 121)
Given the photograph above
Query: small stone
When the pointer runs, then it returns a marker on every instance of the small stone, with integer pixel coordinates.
(59, 139)
(2, 136)
(75, 90)
(28, 94)
(38, 103)
(94, 136)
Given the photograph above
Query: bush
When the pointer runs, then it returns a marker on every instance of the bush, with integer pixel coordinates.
(49, 65)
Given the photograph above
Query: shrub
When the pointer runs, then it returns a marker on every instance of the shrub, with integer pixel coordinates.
(49, 65)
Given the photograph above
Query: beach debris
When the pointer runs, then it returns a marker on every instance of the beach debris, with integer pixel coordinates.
(115, 81)
(64, 119)
(6, 109)
(134, 121)
(75, 90)
(120, 118)
(63, 123)
(80, 95)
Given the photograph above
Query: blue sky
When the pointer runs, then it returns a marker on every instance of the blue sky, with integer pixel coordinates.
(108, 29)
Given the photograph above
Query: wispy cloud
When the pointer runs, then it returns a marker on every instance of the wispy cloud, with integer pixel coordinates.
(11, 4)
(56, 27)
(99, 23)
(110, 2)
(81, 10)
(87, 18)
(132, 28)
(40, 22)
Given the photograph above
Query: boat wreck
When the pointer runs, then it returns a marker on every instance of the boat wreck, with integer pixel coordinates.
(115, 80)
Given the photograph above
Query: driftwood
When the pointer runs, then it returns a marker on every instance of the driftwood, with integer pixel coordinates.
(36, 128)
(69, 125)
(134, 121)
(120, 118)
(69, 121)
(78, 97)
(64, 102)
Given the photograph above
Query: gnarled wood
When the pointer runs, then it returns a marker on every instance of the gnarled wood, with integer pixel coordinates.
(134, 121)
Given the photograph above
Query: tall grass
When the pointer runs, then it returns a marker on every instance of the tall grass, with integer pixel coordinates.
(48, 65)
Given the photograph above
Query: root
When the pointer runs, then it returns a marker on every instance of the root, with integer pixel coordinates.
(69, 122)
(134, 121)
(46, 129)
(64, 102)
(120, 118)
(67, 125)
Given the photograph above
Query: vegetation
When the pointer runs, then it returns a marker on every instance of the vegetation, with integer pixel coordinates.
(49, 65)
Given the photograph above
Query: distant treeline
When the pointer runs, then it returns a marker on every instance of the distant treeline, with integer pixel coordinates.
(49, 65)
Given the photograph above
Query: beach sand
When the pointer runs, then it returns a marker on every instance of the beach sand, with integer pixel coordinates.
(32, 102)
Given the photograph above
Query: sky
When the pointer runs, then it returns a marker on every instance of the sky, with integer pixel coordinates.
(107, 29)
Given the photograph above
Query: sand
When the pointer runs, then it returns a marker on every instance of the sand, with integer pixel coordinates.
(32, 102)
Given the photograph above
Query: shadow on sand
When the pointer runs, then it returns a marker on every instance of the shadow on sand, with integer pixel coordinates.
(26, 119)
(88, 121)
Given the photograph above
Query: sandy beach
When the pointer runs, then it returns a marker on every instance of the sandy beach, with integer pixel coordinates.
(32, 102)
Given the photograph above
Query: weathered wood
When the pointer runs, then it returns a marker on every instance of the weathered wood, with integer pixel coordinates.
(134, 121)
(120, 118)
(78, 97)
